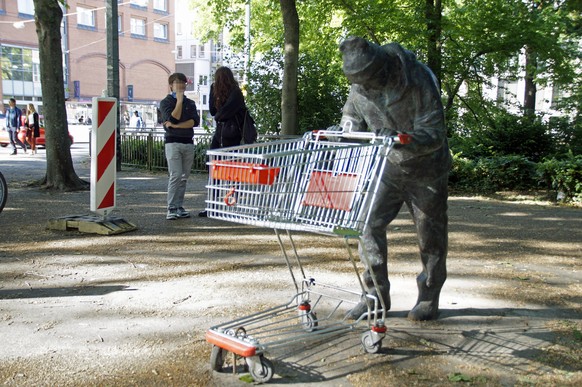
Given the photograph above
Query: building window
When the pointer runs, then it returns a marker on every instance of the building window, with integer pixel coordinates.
(139, 3)
(36, 72)
(193, 51)
(17, 64)
(160, 31)
(203, 80)
(557, 96)
(201, 52)
(138, 27)
(161, 5)
(85, 17)
(179, 52)
(20, 73)
(25, 7)
(179, 28)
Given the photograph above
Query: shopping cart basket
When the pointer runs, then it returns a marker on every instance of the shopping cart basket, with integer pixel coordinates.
(324, 183)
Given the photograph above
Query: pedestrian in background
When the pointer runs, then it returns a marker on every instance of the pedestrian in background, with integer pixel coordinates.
(13, 122)
(179, 116)
(32, 127)
(135, 120)
(227, 106)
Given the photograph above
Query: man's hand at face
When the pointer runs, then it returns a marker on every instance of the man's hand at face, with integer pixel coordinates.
(179, 87)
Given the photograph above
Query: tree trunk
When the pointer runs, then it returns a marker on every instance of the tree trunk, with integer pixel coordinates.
(433, 14)
(289, 121)
(60, 174)
(529, 98)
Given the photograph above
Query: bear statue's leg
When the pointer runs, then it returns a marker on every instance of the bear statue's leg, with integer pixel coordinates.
(427, 304)
(383, 290)
(429, 210)
(374, 245)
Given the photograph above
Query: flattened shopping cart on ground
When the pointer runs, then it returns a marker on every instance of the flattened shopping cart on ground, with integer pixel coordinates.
(321, 183)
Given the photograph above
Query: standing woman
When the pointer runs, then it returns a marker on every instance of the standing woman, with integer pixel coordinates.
(227, 106)
(32, 127)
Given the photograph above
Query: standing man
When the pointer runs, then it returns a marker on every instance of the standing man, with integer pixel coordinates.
(13, 121)
(179, 116)
(393, 93)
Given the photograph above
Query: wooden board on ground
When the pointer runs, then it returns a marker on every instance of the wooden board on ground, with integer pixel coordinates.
(92, 224)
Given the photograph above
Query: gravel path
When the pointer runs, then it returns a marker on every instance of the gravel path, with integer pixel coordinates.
(132, 309)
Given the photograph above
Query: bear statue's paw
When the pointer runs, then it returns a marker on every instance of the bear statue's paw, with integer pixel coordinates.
(423, 311)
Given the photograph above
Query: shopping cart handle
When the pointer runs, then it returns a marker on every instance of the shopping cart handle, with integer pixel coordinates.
(399, 138)
(318, 134)
(403, 138)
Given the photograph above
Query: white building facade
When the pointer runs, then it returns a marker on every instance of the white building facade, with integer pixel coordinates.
(199, 60)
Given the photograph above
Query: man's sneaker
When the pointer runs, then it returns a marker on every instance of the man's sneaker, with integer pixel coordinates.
(172, 214)
(182, 213)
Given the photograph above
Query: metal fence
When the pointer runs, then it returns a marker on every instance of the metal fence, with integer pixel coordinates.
(145, 149)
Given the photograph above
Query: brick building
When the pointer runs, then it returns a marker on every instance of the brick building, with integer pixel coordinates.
(146, 57)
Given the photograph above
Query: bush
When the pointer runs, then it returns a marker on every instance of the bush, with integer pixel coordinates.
(567, 135)
(506, 134)
(563, 176)
(491, 174)
(462, 174)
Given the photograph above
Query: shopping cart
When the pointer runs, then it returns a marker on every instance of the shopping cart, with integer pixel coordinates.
(323, 183)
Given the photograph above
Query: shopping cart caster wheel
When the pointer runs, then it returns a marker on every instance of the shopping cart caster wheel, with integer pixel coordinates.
(216, 358)
(261, 371)
(309, 321)
(368, 343)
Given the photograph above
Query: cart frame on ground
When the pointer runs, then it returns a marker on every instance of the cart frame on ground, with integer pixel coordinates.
(323, 183)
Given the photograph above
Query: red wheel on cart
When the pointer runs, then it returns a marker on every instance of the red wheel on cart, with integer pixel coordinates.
(262, 372)
(216, 358)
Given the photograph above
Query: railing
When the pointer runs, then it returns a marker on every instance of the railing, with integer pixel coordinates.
(145, 149)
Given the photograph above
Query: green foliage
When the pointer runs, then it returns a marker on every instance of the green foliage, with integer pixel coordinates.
(567, 135)
(499, 133)
(321, 93)
(213, 17)
(322, 88)
(480, 39)
(264, 92)
(459, 377)
(489, 175)
(462, 176)
(321, 96)
(563, 176)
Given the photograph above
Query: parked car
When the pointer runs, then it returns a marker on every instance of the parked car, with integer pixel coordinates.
(40, 141)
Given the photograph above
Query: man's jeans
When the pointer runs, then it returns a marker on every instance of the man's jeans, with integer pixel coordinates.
(180, 158)
(13, 136)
